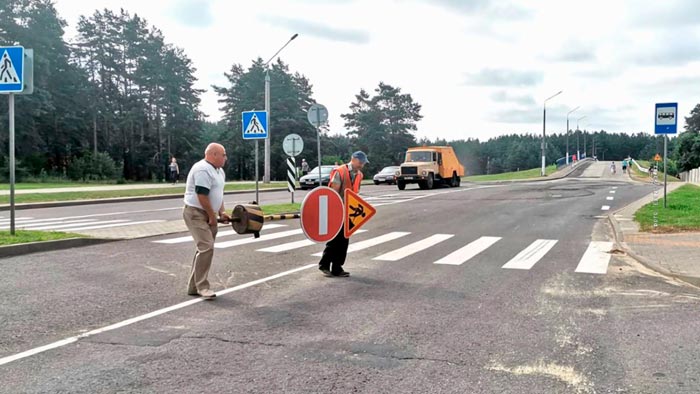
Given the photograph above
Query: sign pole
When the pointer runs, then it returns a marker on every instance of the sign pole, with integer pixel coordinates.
(257, 177)
(318, 140)
(665, 167)
(12, 162)
(294, 160)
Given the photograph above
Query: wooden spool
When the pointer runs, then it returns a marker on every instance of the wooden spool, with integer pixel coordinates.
(247, 219)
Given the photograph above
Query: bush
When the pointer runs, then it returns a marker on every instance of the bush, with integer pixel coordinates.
(93, 168)
(21, 172)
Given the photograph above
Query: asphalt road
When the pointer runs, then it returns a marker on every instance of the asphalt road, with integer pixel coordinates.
(448, 318)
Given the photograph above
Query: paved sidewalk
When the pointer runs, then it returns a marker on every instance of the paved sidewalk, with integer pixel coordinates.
(676, 255)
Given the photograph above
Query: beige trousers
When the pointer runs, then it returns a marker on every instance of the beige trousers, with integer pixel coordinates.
(204, 235)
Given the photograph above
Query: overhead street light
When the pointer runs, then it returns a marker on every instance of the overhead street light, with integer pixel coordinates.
(567, 134)
(266, 176)
(544, 128)
(578, 133)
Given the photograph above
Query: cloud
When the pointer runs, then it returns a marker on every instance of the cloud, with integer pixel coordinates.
(665, 13)
(496, 9)
(504, 77)
(675, 48)
(193, 13)
(522, 100)
(319, 30)
(573, 52)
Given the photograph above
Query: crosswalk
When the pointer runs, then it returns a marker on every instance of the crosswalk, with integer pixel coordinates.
(595, 259)
(69, 223)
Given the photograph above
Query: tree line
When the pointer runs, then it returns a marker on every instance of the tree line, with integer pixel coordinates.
(118, 101)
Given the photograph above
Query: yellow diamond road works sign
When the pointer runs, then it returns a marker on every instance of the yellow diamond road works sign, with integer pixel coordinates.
(657, 157)
(357, 212)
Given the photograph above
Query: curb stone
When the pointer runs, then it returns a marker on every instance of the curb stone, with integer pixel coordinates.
(48, 246)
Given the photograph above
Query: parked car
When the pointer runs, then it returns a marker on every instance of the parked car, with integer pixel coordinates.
(310, 180)
(387, 175)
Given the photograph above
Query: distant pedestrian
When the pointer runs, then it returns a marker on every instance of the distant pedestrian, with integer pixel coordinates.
(346, 176)
(624, 166)
(304, 167)
(204, 202)
(174, 171)
(336, 164)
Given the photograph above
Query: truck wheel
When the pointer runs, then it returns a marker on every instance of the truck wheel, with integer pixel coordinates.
(430, 182)
(459, 181)
(401, 185)
(422, 185)
(453, 181)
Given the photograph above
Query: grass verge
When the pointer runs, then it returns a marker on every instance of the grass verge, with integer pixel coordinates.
(510, 176)
(26, 236)
(646, 177)
(274, 209)
(682, 212)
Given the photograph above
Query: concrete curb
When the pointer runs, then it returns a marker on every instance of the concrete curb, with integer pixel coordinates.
(620, 244)
(57, 204)
(48, 246)
(540, 179)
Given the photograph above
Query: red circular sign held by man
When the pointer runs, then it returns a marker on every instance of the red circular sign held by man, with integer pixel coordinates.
(322, 214)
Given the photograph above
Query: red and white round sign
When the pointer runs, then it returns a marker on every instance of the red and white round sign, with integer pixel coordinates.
(322, 214)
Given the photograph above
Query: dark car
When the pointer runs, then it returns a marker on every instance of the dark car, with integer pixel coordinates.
(310, 180)
(387, 175)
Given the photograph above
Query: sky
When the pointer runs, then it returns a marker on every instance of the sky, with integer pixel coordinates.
(479, 68)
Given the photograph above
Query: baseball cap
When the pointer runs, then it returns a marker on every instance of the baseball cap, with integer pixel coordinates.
(361, 156)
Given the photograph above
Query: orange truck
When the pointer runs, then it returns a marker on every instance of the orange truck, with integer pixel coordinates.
(428, 166)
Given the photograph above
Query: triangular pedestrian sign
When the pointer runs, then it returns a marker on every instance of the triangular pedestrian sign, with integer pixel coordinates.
(357, 212)
(657, 157)
(8, 74)
(254, 126)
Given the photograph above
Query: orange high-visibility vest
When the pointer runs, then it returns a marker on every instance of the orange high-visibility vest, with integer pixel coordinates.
(345, 179)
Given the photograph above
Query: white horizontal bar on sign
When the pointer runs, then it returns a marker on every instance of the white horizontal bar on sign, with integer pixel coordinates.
(464, 254)
(531, 255)
(596, 258)
(75, 226)
(220, 234)
(293, 245)
(368, 243)
(414, 248)
(116, 225)
(266, 237)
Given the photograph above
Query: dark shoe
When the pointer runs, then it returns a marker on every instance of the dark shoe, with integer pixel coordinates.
(341, 274)
(325, 271)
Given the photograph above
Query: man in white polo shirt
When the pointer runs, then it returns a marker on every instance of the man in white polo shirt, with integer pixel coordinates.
(204, 202)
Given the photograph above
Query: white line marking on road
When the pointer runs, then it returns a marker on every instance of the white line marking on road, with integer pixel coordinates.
(372, 242)
(67, 341)
(16, 220)
(464, 254)
(116, 225)
(413, 248)
(267, 237)
(605, 207)
(50, 223)
(531, 255)
(610, 198)
(294, 245)
(614, 187)
(596, 258)
(218, 235)
(612, 191)
(75, 226)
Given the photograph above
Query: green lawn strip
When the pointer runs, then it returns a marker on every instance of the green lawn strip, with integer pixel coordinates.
(274, 209)
(25, 236)
(30, 186)
(681, 214)
(95, 195)
(509, 176)
(645, 176)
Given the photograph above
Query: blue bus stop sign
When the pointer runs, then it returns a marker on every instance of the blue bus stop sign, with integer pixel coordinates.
(666, 121)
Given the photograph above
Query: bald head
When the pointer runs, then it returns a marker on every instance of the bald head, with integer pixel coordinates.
(215, 154)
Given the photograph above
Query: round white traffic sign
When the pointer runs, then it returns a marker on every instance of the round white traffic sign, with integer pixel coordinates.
(317, 115)
(293, 145)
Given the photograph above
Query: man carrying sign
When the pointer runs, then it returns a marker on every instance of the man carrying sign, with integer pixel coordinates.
(347, 176)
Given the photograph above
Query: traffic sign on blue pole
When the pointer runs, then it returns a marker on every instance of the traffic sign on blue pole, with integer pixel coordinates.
(11, 69)
(254, 125)
(666, 121)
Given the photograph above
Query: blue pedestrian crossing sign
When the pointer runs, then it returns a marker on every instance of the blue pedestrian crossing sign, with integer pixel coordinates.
(254, 125)
(11, 69)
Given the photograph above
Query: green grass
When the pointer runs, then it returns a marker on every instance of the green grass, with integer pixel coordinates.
(646, 177)
(274, 209)
(681, 214)
(25, 236)
(95, 195)
(509, 176)
(30, 186)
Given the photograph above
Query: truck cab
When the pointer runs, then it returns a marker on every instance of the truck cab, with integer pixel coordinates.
(428, 166)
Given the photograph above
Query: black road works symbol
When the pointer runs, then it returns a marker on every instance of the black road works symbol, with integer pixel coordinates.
(357, 212)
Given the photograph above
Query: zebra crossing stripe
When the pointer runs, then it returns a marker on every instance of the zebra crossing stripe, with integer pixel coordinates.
(294, 245)
(596, 258)
(355, 247)
(220, 234)
(413, 248)
(76, 226)
(266, 237)
(464, 254)
(291, 174)
(531, 255)
(50, 223)
(128, 223)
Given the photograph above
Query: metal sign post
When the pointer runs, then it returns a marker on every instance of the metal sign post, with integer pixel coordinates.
(318, 116)
(254, 124)
(11, 99)
(293, 144)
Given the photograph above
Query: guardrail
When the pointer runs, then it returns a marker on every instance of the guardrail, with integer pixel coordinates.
(692, 176)
(640, 168)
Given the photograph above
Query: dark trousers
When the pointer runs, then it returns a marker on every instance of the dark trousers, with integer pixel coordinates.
(335, 253)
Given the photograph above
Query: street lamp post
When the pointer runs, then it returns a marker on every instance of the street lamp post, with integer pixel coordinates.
(578, 133)
(544, 130)
(266, 177)
(567, 134)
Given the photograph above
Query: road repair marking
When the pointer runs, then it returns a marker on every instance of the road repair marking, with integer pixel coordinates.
(596, 258)
(531, 255)
(413, 248)
(464, 254)
(68, 341)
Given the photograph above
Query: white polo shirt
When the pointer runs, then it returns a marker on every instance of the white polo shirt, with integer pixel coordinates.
(203, 174)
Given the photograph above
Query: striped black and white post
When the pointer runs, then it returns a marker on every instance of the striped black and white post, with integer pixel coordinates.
(291, 175)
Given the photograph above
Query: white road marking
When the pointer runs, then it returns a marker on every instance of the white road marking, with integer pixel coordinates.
(464, 254)
(413, 248)
(612, 191)
(50, 223)
(16, 220)
(354, 247)
(116, 225)
(605, 207)
(531, 255)
(267, 237)
(294, 245)
(596, 258)
(614, 187)
(124, 323)
(75, 226)
(218, 235)
(610, 198)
